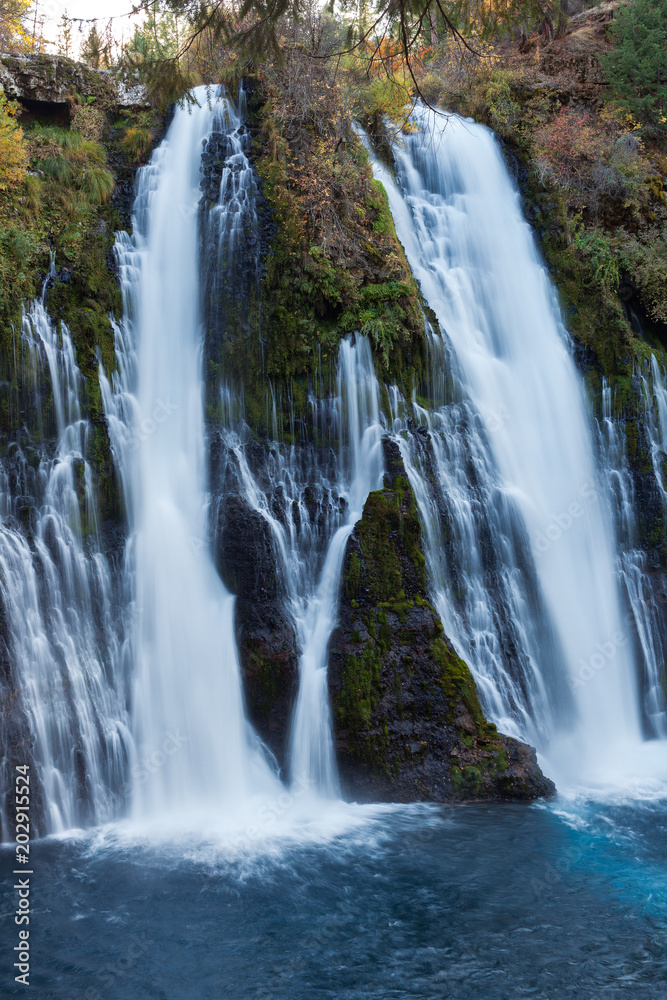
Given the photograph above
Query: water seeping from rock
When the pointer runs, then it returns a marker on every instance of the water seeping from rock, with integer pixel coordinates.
(312, 498)
(62, 632)
(644, 618)
(532, 553)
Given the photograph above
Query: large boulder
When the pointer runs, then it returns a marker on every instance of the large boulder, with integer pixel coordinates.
(247, 560)
(409, 724)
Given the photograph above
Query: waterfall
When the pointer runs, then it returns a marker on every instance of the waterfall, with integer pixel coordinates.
(459, 219)
(655, 411)
(124, 667)
(312, 757)
(63, 638)
(483, 579)
(188, 716)
(312, 497)
(121, 659)
(633, 571)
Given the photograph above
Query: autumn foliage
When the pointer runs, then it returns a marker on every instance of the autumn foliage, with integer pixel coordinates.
(570, 142)
(13, 152)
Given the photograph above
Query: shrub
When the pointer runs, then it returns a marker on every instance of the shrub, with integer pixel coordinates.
(595, 245)
(89, 121)
(645, 260)
(13, 151)
(588, 158)
(137, 142)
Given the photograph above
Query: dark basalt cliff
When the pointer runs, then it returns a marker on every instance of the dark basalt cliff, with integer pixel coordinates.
(409, 725)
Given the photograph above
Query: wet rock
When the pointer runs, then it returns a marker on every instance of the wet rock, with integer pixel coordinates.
(409, 725)
(247, 560)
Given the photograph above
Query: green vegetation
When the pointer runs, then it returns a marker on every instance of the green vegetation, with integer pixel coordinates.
(390, 526)
(57, 188)
(636, 68)
(333, 265)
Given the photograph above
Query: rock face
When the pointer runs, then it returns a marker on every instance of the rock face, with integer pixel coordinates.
(51, 79)
(246, 558)
(409, 725)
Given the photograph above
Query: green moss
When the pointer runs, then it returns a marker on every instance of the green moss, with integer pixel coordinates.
(360, 690)
(265, 690)
(334, 266)
(382, 566)
(353, 575)
(65, 207)
(391, 521)
(458, 685)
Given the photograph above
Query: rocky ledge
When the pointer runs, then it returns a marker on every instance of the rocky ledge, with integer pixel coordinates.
(52, 79)
(409, 725)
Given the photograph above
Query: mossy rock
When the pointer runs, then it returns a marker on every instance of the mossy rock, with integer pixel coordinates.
(409, 724)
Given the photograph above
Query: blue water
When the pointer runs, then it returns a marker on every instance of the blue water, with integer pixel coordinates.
(483, 902)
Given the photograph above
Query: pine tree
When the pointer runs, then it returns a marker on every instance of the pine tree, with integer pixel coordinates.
(637, 66)
(92, 50)
(65, 36)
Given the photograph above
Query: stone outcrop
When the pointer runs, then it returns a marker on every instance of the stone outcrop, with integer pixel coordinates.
(409, 725)
(247, 561)
(52, 79)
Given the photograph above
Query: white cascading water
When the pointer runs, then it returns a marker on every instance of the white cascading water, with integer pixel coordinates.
(128, 682)
(459, 219)
(644, 613)
(478, 558)
(311, 542)
(188, 715)
(312, 756)
(63, 630)
(655, 402)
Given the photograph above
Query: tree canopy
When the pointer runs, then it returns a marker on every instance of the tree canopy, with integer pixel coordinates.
(637, 66)
(384, 33)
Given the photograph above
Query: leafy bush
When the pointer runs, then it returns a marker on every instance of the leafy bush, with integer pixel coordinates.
(137, 142)
(645, 260)
(637, 66)
(592, 162)
(595, 245)
(89, 121)
(13, 152)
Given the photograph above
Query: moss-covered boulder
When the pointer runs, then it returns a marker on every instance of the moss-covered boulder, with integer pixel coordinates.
(409, 725)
